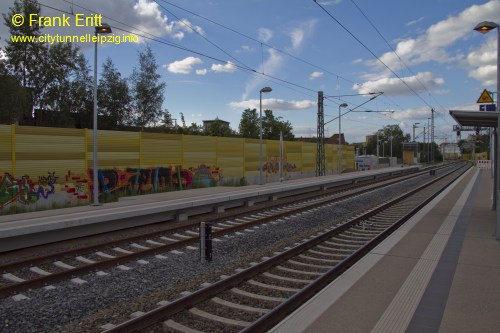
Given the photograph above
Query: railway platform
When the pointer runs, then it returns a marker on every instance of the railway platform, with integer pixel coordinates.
(440, 272)
(40, 227)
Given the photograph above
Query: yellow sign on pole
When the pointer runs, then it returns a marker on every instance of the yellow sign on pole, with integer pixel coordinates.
(485, 97)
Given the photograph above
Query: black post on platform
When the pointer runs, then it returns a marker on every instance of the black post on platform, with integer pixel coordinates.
(205, 242)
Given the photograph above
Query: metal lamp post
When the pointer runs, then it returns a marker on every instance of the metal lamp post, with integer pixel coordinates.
(104, 29)
(263, 90)
(339, 147)
(483, 28)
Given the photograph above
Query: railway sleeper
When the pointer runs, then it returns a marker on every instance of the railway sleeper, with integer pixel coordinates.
(335, 256)
(272, 286)
(303, 264)
(332, 262)
(347, 241)
(258, 296)
(298, 272)
(173, 326)
(224, 314)
(343, 245)
(342, 250)
(238, 306)
(198, 323)
(352, 234)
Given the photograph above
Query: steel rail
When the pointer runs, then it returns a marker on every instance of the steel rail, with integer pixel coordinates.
(281, 311)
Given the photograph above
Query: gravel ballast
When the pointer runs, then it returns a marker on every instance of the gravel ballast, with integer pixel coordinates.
(112, 298)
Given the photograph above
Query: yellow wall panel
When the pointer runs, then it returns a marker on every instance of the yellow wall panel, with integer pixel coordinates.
(61, 159)
(199, 150)
(5, 149)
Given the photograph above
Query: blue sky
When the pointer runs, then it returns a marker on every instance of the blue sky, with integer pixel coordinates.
(297, 47)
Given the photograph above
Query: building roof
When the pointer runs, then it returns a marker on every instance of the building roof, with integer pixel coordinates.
(475, 118)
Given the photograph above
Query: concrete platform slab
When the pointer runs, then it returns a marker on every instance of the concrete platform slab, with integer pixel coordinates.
(459, 294)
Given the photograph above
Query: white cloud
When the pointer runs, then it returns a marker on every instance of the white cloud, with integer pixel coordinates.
(413, 115)
(414, 21)
(482, 63)
(153, 21)
(187, 26)
(272, 64)
(395, 87)
(203, 71)
(275, 61)
(315, 75)
(330, 2)
(184, 66)
(433, 43)
(274, 104)
(265, 34)
(228, 67)
(300, 33)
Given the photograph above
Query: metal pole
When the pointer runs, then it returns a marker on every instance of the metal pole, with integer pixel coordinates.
(260, 141)
(377, 148)
(339, 147)
(281, 156)
(497, 142)
(95, 166)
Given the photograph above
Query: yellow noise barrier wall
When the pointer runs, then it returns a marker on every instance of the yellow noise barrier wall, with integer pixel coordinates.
(53, 167)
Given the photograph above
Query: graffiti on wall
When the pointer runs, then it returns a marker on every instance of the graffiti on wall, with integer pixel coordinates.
(131, 181)
(273, 165)
(24, 190)
(77, 186)
(75, 189)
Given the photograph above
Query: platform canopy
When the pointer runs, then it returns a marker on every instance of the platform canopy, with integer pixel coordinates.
(475, 118)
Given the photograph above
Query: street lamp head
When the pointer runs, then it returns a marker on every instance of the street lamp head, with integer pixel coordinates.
(486, 26)
(103, 29)
(266, 90)
(343, 105)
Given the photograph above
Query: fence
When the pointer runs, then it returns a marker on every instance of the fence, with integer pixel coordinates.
(52, 167)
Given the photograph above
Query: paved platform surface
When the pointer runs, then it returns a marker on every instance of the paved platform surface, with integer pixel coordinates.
(439, 273)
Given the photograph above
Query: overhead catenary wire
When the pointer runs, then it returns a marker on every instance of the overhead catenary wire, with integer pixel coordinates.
(283, 82)
(397, 55)
(372, 53)
(259, 41)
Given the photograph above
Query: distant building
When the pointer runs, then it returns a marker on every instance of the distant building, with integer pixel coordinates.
(334, 139)
(208, 123)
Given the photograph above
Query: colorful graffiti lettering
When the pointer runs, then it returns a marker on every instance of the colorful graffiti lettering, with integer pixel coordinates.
(76, 185)
(155, 179)
(273, 166)
(24, 191)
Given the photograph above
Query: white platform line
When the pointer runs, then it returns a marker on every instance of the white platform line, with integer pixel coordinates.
(308, 313)
(398, 314)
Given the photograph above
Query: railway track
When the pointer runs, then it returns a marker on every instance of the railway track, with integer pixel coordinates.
(258, 297)
(45, 270)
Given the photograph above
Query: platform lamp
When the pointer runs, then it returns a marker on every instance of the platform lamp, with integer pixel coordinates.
(339, 146)
(263, 90)
(103, 29)
(485, 27)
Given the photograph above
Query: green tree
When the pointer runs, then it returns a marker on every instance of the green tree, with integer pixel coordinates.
(167, 121)
(23, 58)
(44, 70)
(53, 84)
(14, 100)
(249, 124)
(385, 134)
(114, 99)
(218, 128)
(147, 91)
(272, 126)
(80, 103)
(194, 129)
